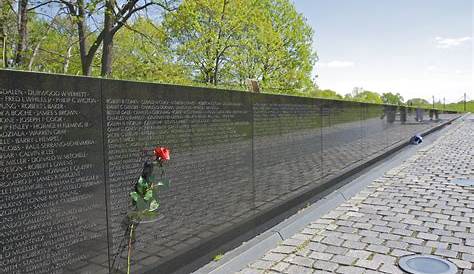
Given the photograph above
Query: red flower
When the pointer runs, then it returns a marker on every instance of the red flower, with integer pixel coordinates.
(162, 153)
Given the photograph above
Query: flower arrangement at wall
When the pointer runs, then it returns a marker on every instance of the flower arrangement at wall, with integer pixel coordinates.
(144, 198)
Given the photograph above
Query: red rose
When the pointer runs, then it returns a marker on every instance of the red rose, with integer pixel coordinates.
(162, 153)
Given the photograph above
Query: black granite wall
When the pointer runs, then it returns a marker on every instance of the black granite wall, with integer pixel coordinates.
(72, 148)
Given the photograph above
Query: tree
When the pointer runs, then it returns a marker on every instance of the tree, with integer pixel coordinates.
(7, 24)
(143, 54)
(391, 98)
(54, 45)
(203, 33)
(327, 93)
(417, 102)
(22, 31)
(227, 42)
(368, 97)
(277, 51)
(116, 14)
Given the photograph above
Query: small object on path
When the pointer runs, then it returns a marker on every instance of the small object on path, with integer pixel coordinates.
(416, 140)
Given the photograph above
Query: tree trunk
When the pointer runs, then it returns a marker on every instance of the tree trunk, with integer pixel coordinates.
(22, 31)
(67, 59)
(3, 26)
(107, 43)
(218, 54)
(35, 52)
(4, 48)
(86, 61)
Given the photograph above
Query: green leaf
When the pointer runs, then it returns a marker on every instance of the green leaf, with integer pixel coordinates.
(134, 196)
(141, 186)
(141, 204)
(148, 195)
(154, 205)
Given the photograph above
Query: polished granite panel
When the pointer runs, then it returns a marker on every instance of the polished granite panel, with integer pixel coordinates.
(342, 135)
(286, 147)
(53, 213)
(209, 134)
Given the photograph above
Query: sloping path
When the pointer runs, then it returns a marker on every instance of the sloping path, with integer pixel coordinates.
(412, 209)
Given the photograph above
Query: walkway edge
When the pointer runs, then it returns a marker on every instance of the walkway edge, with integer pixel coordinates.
(236, 259)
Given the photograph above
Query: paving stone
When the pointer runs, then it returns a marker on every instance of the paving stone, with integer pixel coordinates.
(296, 269)
(436, 244)
(370, 264)
(463, 248)
(446, 253)
(354, 245)
(412, 240)
(284, 249)
(274, 257)
(420, 249)
(260, 264)
(337, 250)
(302, 261)
(321, 256)
(427, 236)
(400, 253)
(324, 265)
(292, 242)
(461, 264)
(280, 267)
(350, 270)
(359, 254)
(378, 248)
(330, 240)
(467, 257)
(387, 268)
(315, 246)
(403, 232)
(250, 271)
(396, 244)
(343, 260)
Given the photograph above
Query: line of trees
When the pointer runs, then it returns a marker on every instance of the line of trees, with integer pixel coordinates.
(201, 42)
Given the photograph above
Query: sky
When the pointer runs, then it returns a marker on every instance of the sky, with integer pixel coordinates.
(419, 48)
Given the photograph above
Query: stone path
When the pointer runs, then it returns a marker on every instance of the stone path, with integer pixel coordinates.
(412, 209)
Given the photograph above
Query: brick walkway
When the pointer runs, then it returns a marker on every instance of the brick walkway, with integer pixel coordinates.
(412, 209)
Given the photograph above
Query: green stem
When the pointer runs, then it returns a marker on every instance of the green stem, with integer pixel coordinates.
(129, 249)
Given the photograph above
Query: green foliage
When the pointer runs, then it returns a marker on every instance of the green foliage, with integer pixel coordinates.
(458, 106)
(327, 93)
(368, 97)
(218, 257)
(203, 42)
(227, 42)
(142, 53)
(417, 102)
(391, 98)
(145, 198)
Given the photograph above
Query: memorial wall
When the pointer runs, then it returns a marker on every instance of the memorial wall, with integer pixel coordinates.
(72, 149)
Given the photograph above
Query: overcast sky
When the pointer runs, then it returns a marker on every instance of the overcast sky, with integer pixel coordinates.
(418, 48)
